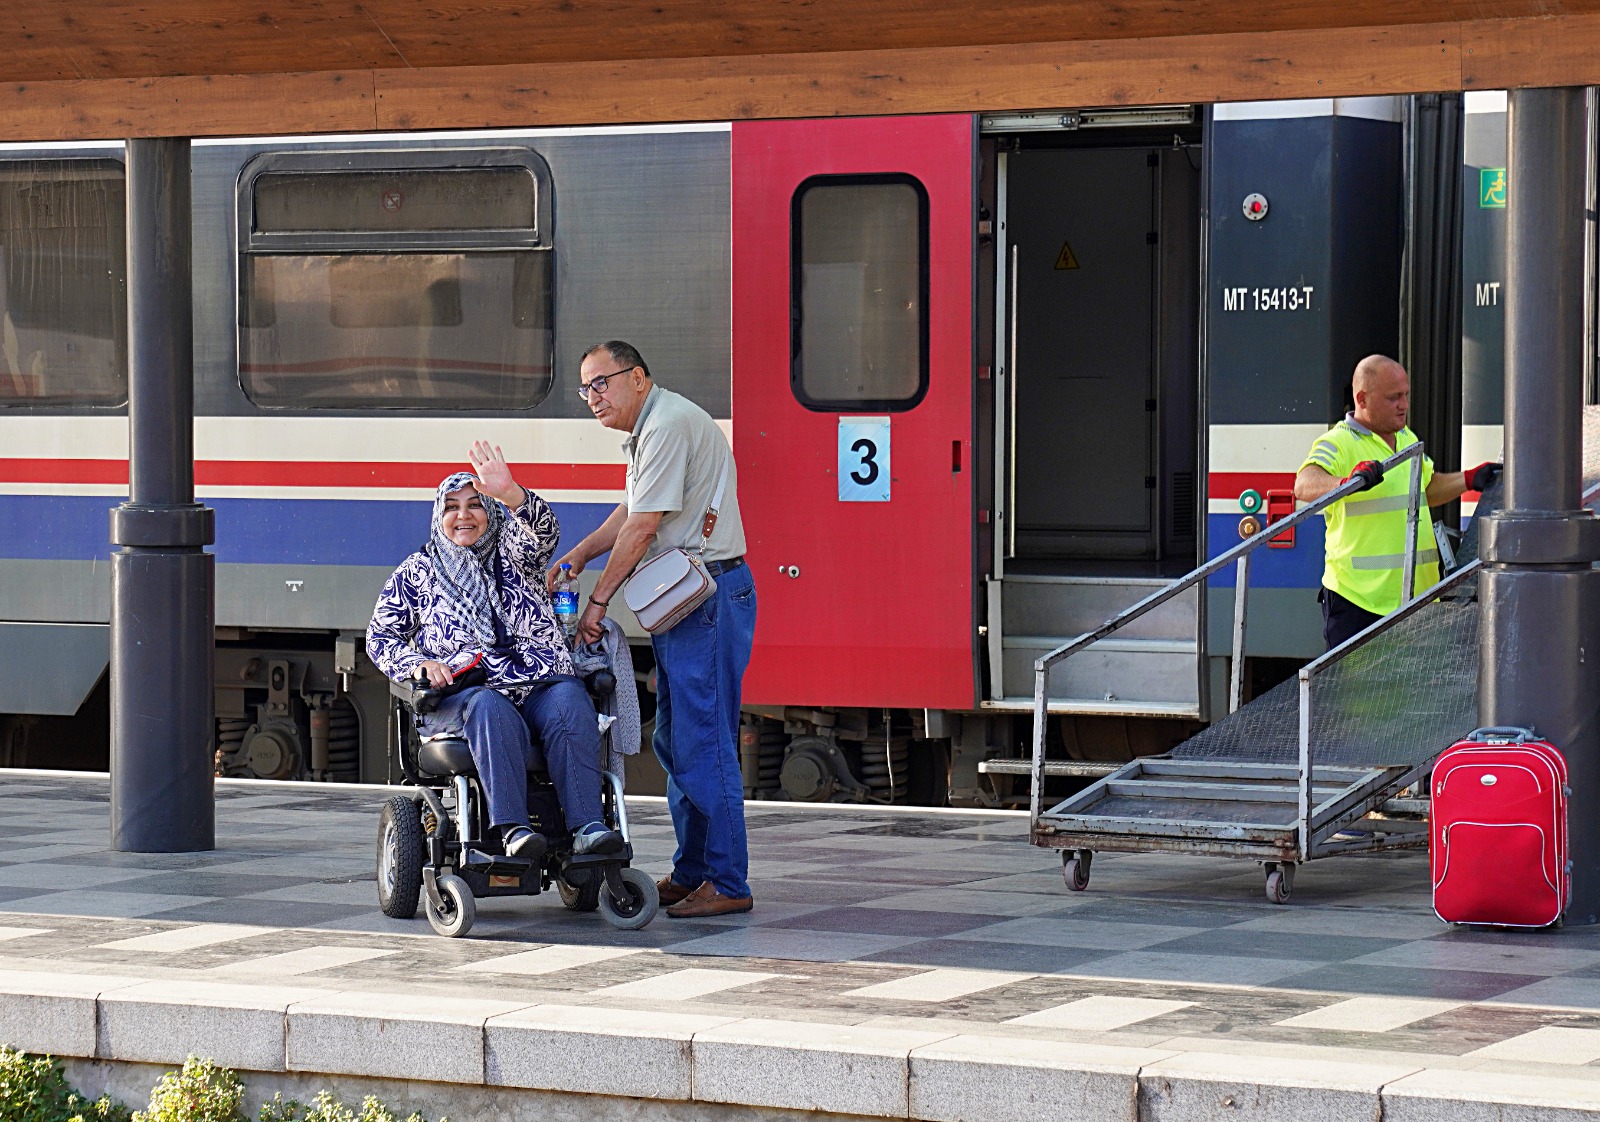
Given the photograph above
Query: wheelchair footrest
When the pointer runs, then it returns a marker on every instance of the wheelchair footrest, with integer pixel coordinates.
(495, 866)
(595, 860)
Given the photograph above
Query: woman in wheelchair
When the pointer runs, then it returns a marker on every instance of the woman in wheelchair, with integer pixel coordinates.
(475, 595)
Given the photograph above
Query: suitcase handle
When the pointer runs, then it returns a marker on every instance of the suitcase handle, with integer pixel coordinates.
(1503, 732)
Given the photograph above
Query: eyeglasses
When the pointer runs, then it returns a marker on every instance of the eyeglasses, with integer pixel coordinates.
(598, 385)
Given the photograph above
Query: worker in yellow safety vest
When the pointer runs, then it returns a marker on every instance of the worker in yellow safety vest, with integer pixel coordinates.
(1366, 531)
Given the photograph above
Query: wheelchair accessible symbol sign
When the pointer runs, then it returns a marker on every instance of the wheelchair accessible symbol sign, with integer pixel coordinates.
(863, 459)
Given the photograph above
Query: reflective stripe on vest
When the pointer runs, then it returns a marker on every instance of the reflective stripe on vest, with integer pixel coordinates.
(1356, 506)
(1385, 561)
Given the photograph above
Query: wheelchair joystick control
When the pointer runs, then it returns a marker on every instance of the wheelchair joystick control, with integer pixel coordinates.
(425, 698)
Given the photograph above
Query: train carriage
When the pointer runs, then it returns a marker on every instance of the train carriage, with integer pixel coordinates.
(988, 378)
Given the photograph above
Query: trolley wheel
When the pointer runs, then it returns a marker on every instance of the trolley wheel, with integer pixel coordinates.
(581, 897)
(1280, 883)
(399, 858)
(638, 909)
(1075, 868)
(455, 918)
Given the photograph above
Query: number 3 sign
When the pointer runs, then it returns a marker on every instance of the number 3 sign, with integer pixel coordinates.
(863, 459)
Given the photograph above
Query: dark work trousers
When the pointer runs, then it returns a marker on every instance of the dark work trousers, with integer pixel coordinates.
(565, 742)
(700, 665)
(1342, 619)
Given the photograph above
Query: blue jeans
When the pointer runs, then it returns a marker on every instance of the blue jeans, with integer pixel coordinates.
(566, 743)
(699, 666)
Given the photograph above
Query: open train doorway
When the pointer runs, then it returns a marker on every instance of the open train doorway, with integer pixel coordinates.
(1096, 274)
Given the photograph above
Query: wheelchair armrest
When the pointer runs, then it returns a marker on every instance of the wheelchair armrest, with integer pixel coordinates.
(406, 692)
(421, 698)
(601, 683)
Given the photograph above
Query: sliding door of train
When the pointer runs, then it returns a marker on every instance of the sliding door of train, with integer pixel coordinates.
(853, 245)
(1097, 265)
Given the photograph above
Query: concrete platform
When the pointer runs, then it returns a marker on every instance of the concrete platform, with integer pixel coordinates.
(901, 964)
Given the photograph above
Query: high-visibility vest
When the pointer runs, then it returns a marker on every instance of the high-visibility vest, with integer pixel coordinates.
(1365, 551)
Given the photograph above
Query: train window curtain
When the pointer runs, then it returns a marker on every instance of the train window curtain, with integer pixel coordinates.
(63, 275)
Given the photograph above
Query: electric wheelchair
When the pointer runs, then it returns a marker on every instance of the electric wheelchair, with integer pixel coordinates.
(436, 847)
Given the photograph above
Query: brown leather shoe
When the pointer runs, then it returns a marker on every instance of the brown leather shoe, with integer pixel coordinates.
(671, 891)
(707, 901)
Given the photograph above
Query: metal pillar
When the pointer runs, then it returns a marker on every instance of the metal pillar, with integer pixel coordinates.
(162, 578)
(1539, 641)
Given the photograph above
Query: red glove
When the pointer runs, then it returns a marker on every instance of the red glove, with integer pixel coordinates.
(1369, 472)
(1482, 477)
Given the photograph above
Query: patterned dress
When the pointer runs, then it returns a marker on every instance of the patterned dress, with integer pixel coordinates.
(417, 616)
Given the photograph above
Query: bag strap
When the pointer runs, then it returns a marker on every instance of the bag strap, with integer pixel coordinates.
(710, 522)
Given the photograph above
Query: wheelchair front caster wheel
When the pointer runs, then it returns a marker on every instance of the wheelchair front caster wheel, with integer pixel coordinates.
(455, 918)
(639, 906)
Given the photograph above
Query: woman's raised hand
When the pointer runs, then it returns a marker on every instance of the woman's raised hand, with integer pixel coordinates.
(489, 464)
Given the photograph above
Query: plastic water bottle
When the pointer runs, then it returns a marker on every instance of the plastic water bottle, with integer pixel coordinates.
(567, 602)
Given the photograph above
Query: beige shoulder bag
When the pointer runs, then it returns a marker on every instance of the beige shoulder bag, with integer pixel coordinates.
(666, 588)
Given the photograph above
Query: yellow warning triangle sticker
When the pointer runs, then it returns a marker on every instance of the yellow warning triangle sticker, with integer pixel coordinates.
(1065, 259)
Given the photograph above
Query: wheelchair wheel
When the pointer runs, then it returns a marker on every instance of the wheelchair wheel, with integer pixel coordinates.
(455, 918)
(640, 906)
(581, 897)
(399, 858)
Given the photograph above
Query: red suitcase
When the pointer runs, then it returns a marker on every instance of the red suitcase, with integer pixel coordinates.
(1498, 831)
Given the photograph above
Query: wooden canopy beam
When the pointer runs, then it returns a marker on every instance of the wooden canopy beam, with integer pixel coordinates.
(1238, 66)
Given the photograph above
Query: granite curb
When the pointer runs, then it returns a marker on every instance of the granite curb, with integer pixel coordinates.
(673, 1059)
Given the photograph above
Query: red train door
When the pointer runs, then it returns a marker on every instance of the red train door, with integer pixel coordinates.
(853, 244)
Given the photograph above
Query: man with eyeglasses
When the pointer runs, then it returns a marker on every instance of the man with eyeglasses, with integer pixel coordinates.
(676, 459)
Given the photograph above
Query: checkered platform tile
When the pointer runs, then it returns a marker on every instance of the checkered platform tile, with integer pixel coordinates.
(879, 916)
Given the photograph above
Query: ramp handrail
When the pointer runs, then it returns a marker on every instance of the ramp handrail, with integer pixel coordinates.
(1322, 662)
(1240, 555)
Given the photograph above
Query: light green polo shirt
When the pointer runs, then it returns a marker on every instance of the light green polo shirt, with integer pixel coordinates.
(676, 454)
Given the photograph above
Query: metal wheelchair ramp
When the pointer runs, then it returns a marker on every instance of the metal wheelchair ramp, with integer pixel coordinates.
(1308, 770)
(1315, 767)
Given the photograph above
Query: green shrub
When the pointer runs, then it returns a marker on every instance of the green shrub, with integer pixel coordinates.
(34, 1089)
(324, 1108)
(202, 1092)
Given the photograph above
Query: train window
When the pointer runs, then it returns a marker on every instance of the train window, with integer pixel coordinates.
(63, 313)
(396, 287)
(859, 292)
(400, 199)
